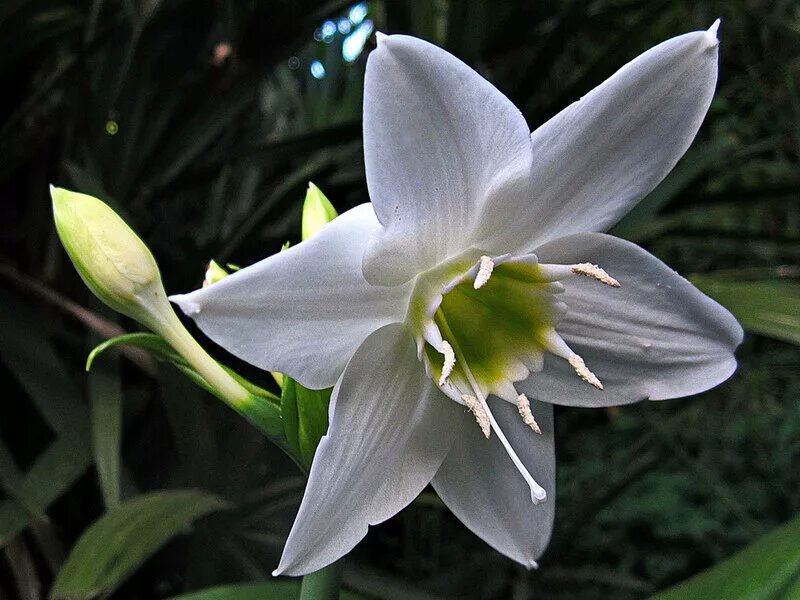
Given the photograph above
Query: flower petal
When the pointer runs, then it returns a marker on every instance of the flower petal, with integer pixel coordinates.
(440, 143)
(657, 336)
(304, 311)
(389, 431)
(479, 483)
(602, 154)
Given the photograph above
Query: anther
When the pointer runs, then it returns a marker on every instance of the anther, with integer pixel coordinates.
(484, 272)
(524, 406)
(583, 371)
(481, 417)
(449, 362)
(594, 272)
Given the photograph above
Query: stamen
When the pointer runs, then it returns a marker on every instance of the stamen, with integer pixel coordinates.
(595, 272)
(556, 344)
(537, 492)
(583, 371)
(484, 272)
(480, 415)
(449, 362)
(524, 406)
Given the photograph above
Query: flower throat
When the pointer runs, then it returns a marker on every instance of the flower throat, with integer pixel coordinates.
(484, 323)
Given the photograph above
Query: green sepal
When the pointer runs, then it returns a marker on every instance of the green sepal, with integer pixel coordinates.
(305, 418)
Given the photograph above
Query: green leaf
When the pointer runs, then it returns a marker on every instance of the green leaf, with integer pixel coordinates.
(105, 394)
(305, 418)
(151, 342)
(770, 307)
(120, 541)
(29, 354)
(106, 399)
(11, 479)
(269, 590)
(54, 472)
(766, 570)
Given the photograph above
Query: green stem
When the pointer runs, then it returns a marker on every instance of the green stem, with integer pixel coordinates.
(233, 392)
(260, 407)
(323, 584)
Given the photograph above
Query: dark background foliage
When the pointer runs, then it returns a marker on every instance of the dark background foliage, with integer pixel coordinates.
(209, 156)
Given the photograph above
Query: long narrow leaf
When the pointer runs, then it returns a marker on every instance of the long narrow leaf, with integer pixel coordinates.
(765, 570)
(770, 308)
(53, 473)
(30, 356)
(105, 393)
(119, 542)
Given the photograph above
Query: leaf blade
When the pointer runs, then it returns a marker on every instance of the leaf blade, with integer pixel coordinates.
(762, 571)
(115, 545)
(766, 307)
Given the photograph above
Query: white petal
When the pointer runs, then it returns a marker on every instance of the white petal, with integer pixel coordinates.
(656, 336)
(440, 143)
(303, 311)
(479, 483)
(602, 154)
(390, 429)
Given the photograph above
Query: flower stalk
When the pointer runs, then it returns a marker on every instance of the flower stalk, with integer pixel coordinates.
(323, 584)
(119, 269)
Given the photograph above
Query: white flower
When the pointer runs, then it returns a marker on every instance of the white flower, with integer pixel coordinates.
(472, 273)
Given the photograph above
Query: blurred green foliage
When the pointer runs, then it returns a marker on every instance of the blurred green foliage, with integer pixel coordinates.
(201, 123)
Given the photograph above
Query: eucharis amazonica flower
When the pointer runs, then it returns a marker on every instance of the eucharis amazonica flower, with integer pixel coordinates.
(474, 292)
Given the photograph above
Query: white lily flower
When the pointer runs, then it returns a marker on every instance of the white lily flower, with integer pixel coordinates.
(473, 273)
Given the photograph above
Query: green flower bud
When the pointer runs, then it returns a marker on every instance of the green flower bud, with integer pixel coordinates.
(111, 259)
(214, 273)
(317, 211)
(120, 270)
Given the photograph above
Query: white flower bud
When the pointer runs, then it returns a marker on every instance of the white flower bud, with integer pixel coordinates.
(111, 259)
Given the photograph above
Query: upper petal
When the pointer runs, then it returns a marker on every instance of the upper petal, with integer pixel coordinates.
(303, 311)
(389, 431)
(440, 143)
(602, 154)
(656, 337)
(479, 483)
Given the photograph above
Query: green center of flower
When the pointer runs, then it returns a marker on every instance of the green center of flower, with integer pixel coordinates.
(484, 323)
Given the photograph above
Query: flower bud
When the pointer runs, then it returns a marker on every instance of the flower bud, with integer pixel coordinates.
(214, 273)
(111, 259)
(317, 211)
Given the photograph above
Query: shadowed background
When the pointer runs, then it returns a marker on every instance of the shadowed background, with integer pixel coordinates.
(202, 122)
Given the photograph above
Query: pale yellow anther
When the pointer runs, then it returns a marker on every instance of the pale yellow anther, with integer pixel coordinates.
(583, 371)
(524, 406)
(595, 272)
(476, 408)
(449, 362)
(484, 272)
